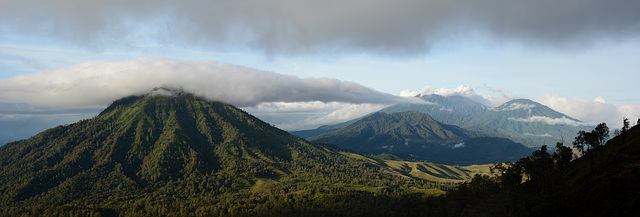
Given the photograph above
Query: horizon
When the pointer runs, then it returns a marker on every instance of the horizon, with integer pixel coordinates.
(303, 65)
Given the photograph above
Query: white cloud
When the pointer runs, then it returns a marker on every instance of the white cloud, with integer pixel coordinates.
(539, 135)
(100, 82)
(592, 111)
(459, 145)
(517, 106)
(462, 90)
(548, 120)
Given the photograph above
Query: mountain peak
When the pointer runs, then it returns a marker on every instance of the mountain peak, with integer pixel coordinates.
(174, 146)
(518, 104)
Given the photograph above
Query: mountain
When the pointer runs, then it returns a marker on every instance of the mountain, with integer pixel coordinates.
(454, 110)
(172, 153)
(528, 122)
(521, 120)
(416, 135)
(322, 129)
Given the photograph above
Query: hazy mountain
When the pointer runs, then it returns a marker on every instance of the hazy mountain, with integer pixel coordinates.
(416, 135)
(520, 120)
(322, 129)
(454, 110)
(528, 122)
(158, 154)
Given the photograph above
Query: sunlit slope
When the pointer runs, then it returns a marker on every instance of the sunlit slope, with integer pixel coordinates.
(174, 152)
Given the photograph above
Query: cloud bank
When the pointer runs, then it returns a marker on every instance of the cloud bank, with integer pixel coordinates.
(292, 27)
(518, 106)
(550, 121)
(100, 82)
(592, 111)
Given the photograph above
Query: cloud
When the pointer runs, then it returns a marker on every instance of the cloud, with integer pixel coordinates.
(459, 145)
(539, 135)
(517, 106)
(592, 111)
(548, 120)
(100, 82)
(292, 27)
(462, 90)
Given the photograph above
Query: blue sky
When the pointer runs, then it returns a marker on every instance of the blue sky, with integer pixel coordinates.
(580, 58)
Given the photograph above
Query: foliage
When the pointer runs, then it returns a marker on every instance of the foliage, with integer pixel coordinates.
(415, 135)
(546, 184)
(180, 155)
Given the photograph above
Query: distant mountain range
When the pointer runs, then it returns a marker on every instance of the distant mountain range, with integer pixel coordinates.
(521, 120)
(170, 152)
(416, 135)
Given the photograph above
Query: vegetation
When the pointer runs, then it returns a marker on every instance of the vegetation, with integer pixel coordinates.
(157, 155)
(415, 135)
(552, 185)
(183, 156)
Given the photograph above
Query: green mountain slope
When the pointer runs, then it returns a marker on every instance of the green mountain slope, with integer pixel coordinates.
(158, 155)
(416, 135)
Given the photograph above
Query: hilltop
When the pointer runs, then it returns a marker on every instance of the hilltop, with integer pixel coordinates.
(171, 152)
(415, 135)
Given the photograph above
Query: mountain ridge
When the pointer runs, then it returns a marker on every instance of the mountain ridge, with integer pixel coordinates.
(146, 155)
(416, 135)
(522, 120)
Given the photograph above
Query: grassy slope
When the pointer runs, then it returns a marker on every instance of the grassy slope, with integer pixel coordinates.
(156, 155)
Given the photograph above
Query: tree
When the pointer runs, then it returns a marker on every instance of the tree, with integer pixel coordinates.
(594, 140)
(625, 125)
(580, 141)
(563, 155)
(600, 135)
(625, 128)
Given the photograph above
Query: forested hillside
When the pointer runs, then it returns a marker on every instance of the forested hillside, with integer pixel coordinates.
(415, 135)
(158, 155)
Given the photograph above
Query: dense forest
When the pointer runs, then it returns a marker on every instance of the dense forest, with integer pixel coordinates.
(183, 156)
(161, 156)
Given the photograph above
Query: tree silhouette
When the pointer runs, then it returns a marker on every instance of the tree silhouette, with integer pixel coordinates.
(600, 135)
(562, 156)
(625, 128)
(581, 141)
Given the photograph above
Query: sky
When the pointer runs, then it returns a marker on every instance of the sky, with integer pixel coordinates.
(302, 64)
